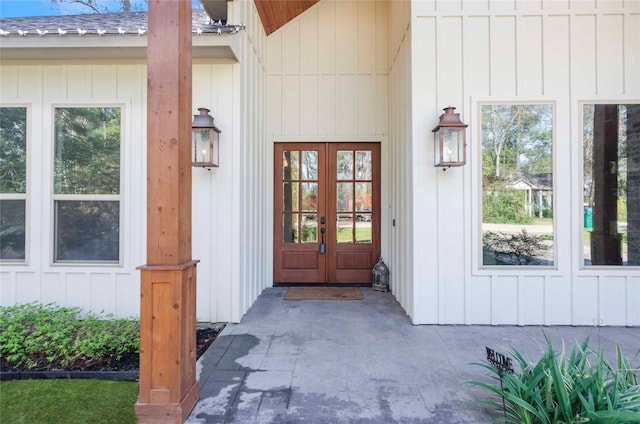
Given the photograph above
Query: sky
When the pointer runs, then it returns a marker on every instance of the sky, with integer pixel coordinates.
(16, 8)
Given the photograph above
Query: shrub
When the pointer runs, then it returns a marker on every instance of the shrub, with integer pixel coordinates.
(580, 388)
(522, 248)
(45, 337)
(504, 207)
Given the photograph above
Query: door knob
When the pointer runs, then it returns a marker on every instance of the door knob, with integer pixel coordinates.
(322, 220)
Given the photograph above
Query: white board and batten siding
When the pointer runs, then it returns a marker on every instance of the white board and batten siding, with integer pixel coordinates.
(356, 71)
(250, 167)
(112, 289)
(469, 52)
(227, 224)
(401, 235)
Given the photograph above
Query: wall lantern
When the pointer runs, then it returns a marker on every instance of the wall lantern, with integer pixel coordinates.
(450, 139)
(205, 140)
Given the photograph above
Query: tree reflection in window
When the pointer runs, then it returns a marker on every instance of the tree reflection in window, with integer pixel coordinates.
(517, 184)
(13, 183)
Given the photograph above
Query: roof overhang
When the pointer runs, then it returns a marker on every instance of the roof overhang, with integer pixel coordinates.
(206, 47)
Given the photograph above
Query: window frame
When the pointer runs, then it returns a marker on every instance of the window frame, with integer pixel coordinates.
(22, 196)
(86, 197)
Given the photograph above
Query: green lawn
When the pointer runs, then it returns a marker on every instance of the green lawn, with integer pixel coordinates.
(345, 234)
(67, 401)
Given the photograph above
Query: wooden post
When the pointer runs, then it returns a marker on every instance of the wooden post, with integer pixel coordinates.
(168, 386)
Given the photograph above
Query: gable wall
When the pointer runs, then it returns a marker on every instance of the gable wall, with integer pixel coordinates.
(327, 73)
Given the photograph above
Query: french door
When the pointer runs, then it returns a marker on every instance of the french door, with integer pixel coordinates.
(326, 212)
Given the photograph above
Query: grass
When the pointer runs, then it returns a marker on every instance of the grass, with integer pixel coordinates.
(67, 401)
(345, 234)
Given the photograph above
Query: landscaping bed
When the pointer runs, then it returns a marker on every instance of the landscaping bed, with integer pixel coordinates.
(47, 341)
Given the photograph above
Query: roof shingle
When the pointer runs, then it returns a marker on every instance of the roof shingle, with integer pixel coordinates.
(120, 23)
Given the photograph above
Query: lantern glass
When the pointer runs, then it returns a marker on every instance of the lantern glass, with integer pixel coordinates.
(202, 147)
(205, 140)
(452, 140)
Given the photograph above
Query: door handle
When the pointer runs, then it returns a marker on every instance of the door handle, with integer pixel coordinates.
(323, 247)
(322, 220)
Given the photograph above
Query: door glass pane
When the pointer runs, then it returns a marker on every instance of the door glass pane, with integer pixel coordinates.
(345, 165)
(363, 228)
(344, 197)
(12, 230)
(310, 165)
(309, 228)
(611, 168)
(290, 197)
(87, 231)
(290, 161)
(517, 185)
(290, 228)
(363, 165)
(309, 197)
(363, 197)
(344, 228)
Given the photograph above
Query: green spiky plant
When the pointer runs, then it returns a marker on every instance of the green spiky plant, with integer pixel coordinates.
(583, 387)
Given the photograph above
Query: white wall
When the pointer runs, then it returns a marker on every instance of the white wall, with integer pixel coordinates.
(250, 197)
(327, 74)
(214, 234)
(216, 218)
(470, 51)
(228, 202)
(112, 289)
(401, 174)
(229, 205)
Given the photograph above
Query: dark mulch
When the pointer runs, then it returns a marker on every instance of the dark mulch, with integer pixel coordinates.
(127, 363)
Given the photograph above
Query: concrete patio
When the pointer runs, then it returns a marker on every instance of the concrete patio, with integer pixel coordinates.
(362, 361)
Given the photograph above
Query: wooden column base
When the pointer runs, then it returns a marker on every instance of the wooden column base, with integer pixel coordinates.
(168, 386)
(162, 413)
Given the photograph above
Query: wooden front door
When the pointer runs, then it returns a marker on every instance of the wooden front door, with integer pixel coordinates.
(326, 212)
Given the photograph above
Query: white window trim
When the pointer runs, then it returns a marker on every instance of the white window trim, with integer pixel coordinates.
(474, 155)
(124, 110)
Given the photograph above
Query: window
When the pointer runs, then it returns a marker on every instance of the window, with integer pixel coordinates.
(86, 184)
(611, 169)
(517, 184)
(13, 183)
